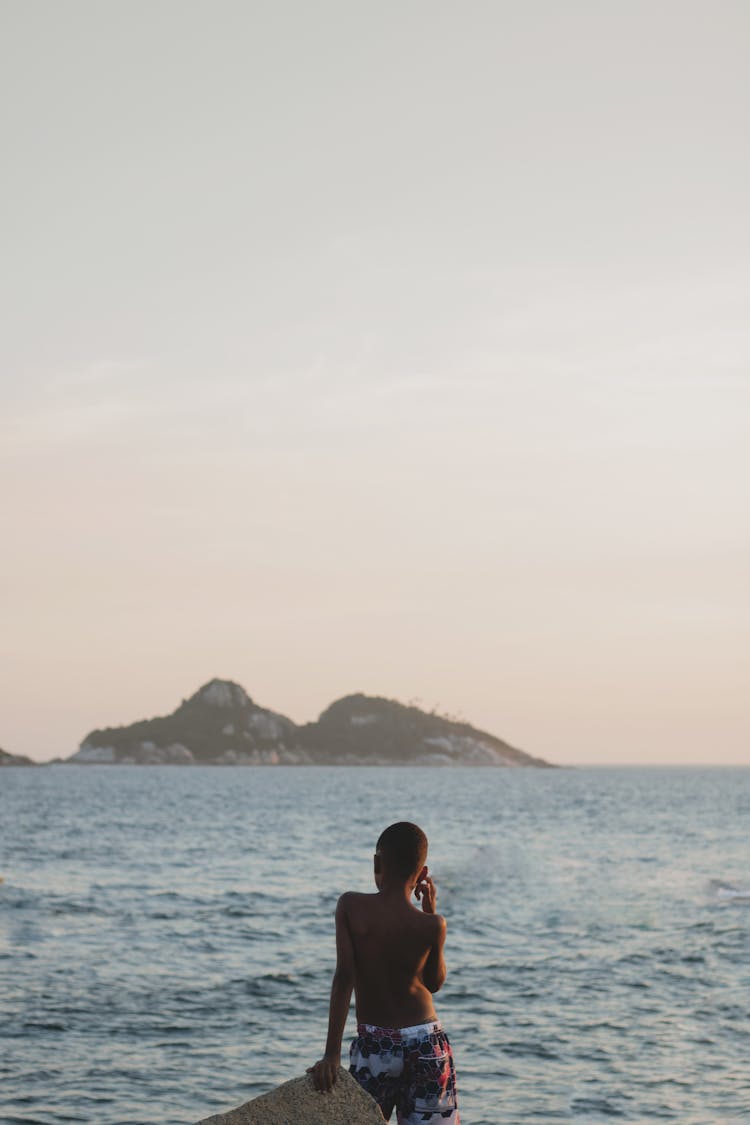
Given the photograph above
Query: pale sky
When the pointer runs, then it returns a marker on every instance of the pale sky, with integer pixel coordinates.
(396, 348)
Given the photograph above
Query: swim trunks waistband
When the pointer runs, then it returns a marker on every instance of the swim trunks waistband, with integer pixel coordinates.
(428, 1028)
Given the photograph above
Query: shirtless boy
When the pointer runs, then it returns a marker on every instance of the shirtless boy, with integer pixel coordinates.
(391, 954)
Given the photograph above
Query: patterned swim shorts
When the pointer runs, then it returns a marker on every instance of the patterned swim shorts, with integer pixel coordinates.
(410, 1068)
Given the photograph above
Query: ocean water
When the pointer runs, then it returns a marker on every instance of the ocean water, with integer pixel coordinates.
(166, 936)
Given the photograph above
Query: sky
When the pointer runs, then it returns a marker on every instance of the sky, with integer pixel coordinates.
(397, 348)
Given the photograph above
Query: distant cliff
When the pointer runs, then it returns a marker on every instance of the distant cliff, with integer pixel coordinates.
(7, 759)
(221, 725)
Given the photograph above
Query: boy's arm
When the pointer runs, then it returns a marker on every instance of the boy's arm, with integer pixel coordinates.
(326, 1069)
(435, 971)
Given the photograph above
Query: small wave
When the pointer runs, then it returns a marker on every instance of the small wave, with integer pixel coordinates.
(529, 1047)
(595, 1105)
(728, 892)
(25, 1120)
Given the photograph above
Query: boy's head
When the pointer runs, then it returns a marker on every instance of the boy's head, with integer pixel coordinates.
(400, 852)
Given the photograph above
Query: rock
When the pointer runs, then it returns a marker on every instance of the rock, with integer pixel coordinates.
(299, 1103)
(94, 755)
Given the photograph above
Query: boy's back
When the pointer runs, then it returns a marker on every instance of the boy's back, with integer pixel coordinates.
(392, 943)
(391, 954)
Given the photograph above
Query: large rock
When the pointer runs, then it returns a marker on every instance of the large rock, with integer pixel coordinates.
(299, 1103)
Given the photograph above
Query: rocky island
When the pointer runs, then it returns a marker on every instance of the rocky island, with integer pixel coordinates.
(221, 725)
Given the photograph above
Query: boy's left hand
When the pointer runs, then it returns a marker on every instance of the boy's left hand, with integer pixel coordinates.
(325, 1072)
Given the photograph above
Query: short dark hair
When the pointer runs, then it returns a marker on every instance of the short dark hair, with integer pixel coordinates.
(403, 847)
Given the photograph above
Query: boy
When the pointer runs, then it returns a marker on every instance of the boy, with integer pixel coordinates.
(391, 954)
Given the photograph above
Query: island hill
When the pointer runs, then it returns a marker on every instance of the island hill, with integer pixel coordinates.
(7, 759)
(221, 725)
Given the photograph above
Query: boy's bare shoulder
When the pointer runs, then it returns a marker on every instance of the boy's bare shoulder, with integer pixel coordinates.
(357, 903)
(433, 926)
(350, 900)
(438, 923)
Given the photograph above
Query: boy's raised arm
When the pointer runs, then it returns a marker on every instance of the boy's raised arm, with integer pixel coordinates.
(435, 970)
(324, 1071)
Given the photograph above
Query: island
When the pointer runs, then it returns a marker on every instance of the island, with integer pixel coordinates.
(221, 725)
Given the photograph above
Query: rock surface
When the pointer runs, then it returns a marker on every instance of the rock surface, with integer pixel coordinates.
(299, 1103)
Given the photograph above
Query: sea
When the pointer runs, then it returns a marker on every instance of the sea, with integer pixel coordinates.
(167, 940)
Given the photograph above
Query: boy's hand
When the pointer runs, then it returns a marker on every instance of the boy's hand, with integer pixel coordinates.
(426, 891)
(325, 1073)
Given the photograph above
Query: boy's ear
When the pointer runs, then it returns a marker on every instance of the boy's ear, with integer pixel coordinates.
(377, 863)
(422, 874)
